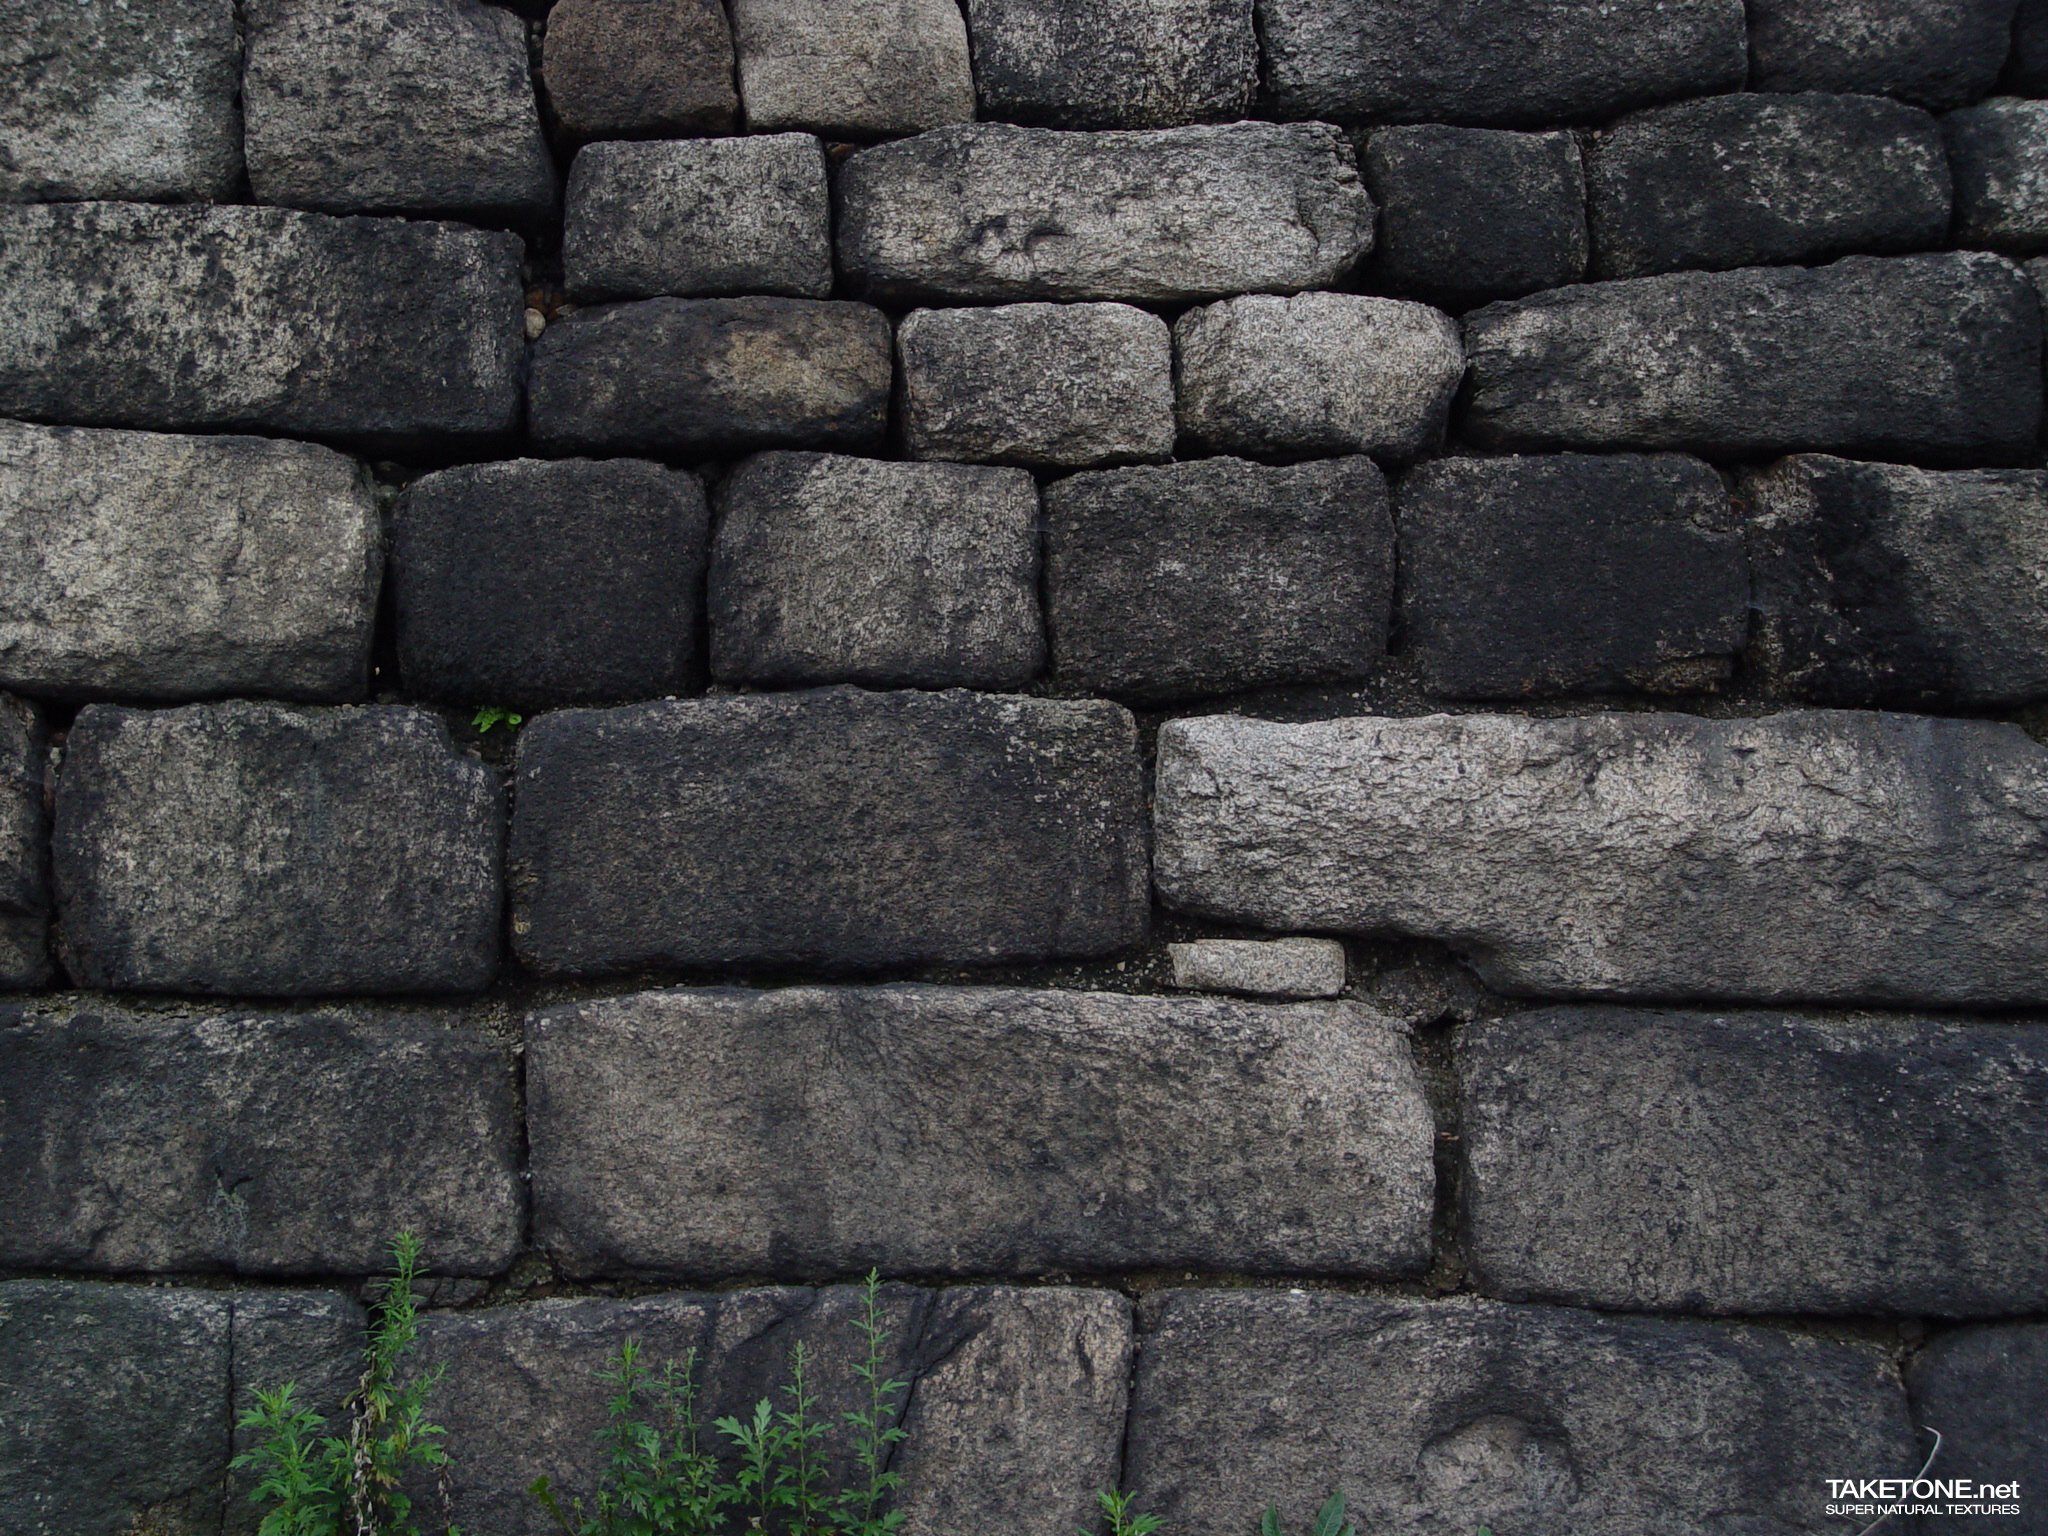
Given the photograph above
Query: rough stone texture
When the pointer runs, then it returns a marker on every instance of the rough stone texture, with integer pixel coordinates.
(258, 1143)
(120, 101)
(1436, 1416)
(252, 848)
(1317, 373)
(258, 319)
(1570, 573)
(1048, 386)
(1982, 1388)
(838, 570)
(1472, 214)
(1681, 1162)
(1936, 53)
(935, 1130)
(1504, 63)
(633, 69)
(139, 565)
(990, 211)
(700, 217)
(532, 584)
(1934, 357)
(830, 828)
(1217, 576)
(2026, 67)
(1016, 1416)
(1879, 584)
(1113, 63)
(2000, 155)
(312, 1339)
(1293, 967)
(1809, 855)
(1751, 180)
(24, 846)
(693, 376)
(111, 1419)
(867, 67)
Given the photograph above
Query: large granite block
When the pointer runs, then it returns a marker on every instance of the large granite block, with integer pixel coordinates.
(990, 211)
(1812, 855)
(1982, 1388)
(382, 331)
(827, 828)
(860, 67)
(838, 570)
(1936, 53)
(1691, 1162)
(1114, 63)
(2000, 155)
(631, 69)
(252, 848)
(1923, 357)
(816, 1131)
(24, 845)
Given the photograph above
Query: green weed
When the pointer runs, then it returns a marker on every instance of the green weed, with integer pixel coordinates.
(1116, 1507)
(490, 714)
(1329, 1519)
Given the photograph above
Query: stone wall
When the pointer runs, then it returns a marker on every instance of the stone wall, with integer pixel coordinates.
(1325, 714)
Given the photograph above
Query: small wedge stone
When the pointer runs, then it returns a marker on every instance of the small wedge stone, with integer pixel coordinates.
(1260, 967)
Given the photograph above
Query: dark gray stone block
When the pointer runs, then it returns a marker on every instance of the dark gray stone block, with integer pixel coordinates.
(954, 1130)
(1472, 214)
(882, 67)
(988, 211)
(1450, 1415)
(704, 376)
(111, 1399)
(381, 331)
(1982, 1387)
(532, 584)
(253, 848)
(2026, 67)
(1923, 357)
(122, 101)
(312, 1339)
(1114, 63)
(700, 217)
(837, 570)
(1530, 576)
(1218, 576)
(1879, 584)
(828, 828)
(1499, 63)
(24, 846)
(1936, 53)
(1752, 180)
(1999, 151)
(630, 69)
(1807, 856)
(1691, 1162)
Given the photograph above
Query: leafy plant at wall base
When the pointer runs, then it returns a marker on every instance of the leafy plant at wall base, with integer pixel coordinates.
(1329, 1519)
(874, 1427)
(1117, 1507)
(490, 715)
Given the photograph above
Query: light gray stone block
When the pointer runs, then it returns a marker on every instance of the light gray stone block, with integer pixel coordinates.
(853, 66)
(1936, 53)
(1295, 967)
(1981, 1387)
(24, 845)
(1114, 63)
(629, 69)
(1999, 151)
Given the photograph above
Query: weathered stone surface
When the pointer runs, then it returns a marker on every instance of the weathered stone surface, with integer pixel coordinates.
(110, 1409)
(1217, 576)
(1472, 214)
(973, 1131)
(2000, 154)
(1049, 386)
(633, 69)
(700, 217)
(259, 1143)
(1982, 1388)
(875, 66)
(1934, 357)
(686, 376)
(1294, 967)
(838, 570)
(990, 211)
(1448, 1415)
(258, 319)
(1938, 53)
(1506, 63)
(532, 583)
(252, 848)
(832, 827)
(2026, 67)
(1879, 584)
(1681, 1162)
(393, 106)
(1016, 1416)
(1112, 63)
(1527, 576)
(24, 846)
(140, 565)
(1316, 373)
(112, 100)
(312, 1339)
(1750, 180)
(1810, 855)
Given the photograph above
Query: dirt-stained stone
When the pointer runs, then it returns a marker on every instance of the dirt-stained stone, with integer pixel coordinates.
(24, 845)
(859, 67)
(1114, 63)
(1934, 53)
(632, 69)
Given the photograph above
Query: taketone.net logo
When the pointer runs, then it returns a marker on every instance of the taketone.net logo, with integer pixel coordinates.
(1885, 1497)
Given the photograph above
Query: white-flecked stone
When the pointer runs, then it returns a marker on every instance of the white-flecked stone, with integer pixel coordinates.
(1998, 151)
(853, 66)
(1292, 967)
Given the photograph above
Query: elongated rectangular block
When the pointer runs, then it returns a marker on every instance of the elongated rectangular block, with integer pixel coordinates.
(832, 827)
(1819, 854)
(817, 1131)
(1679, 1162)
